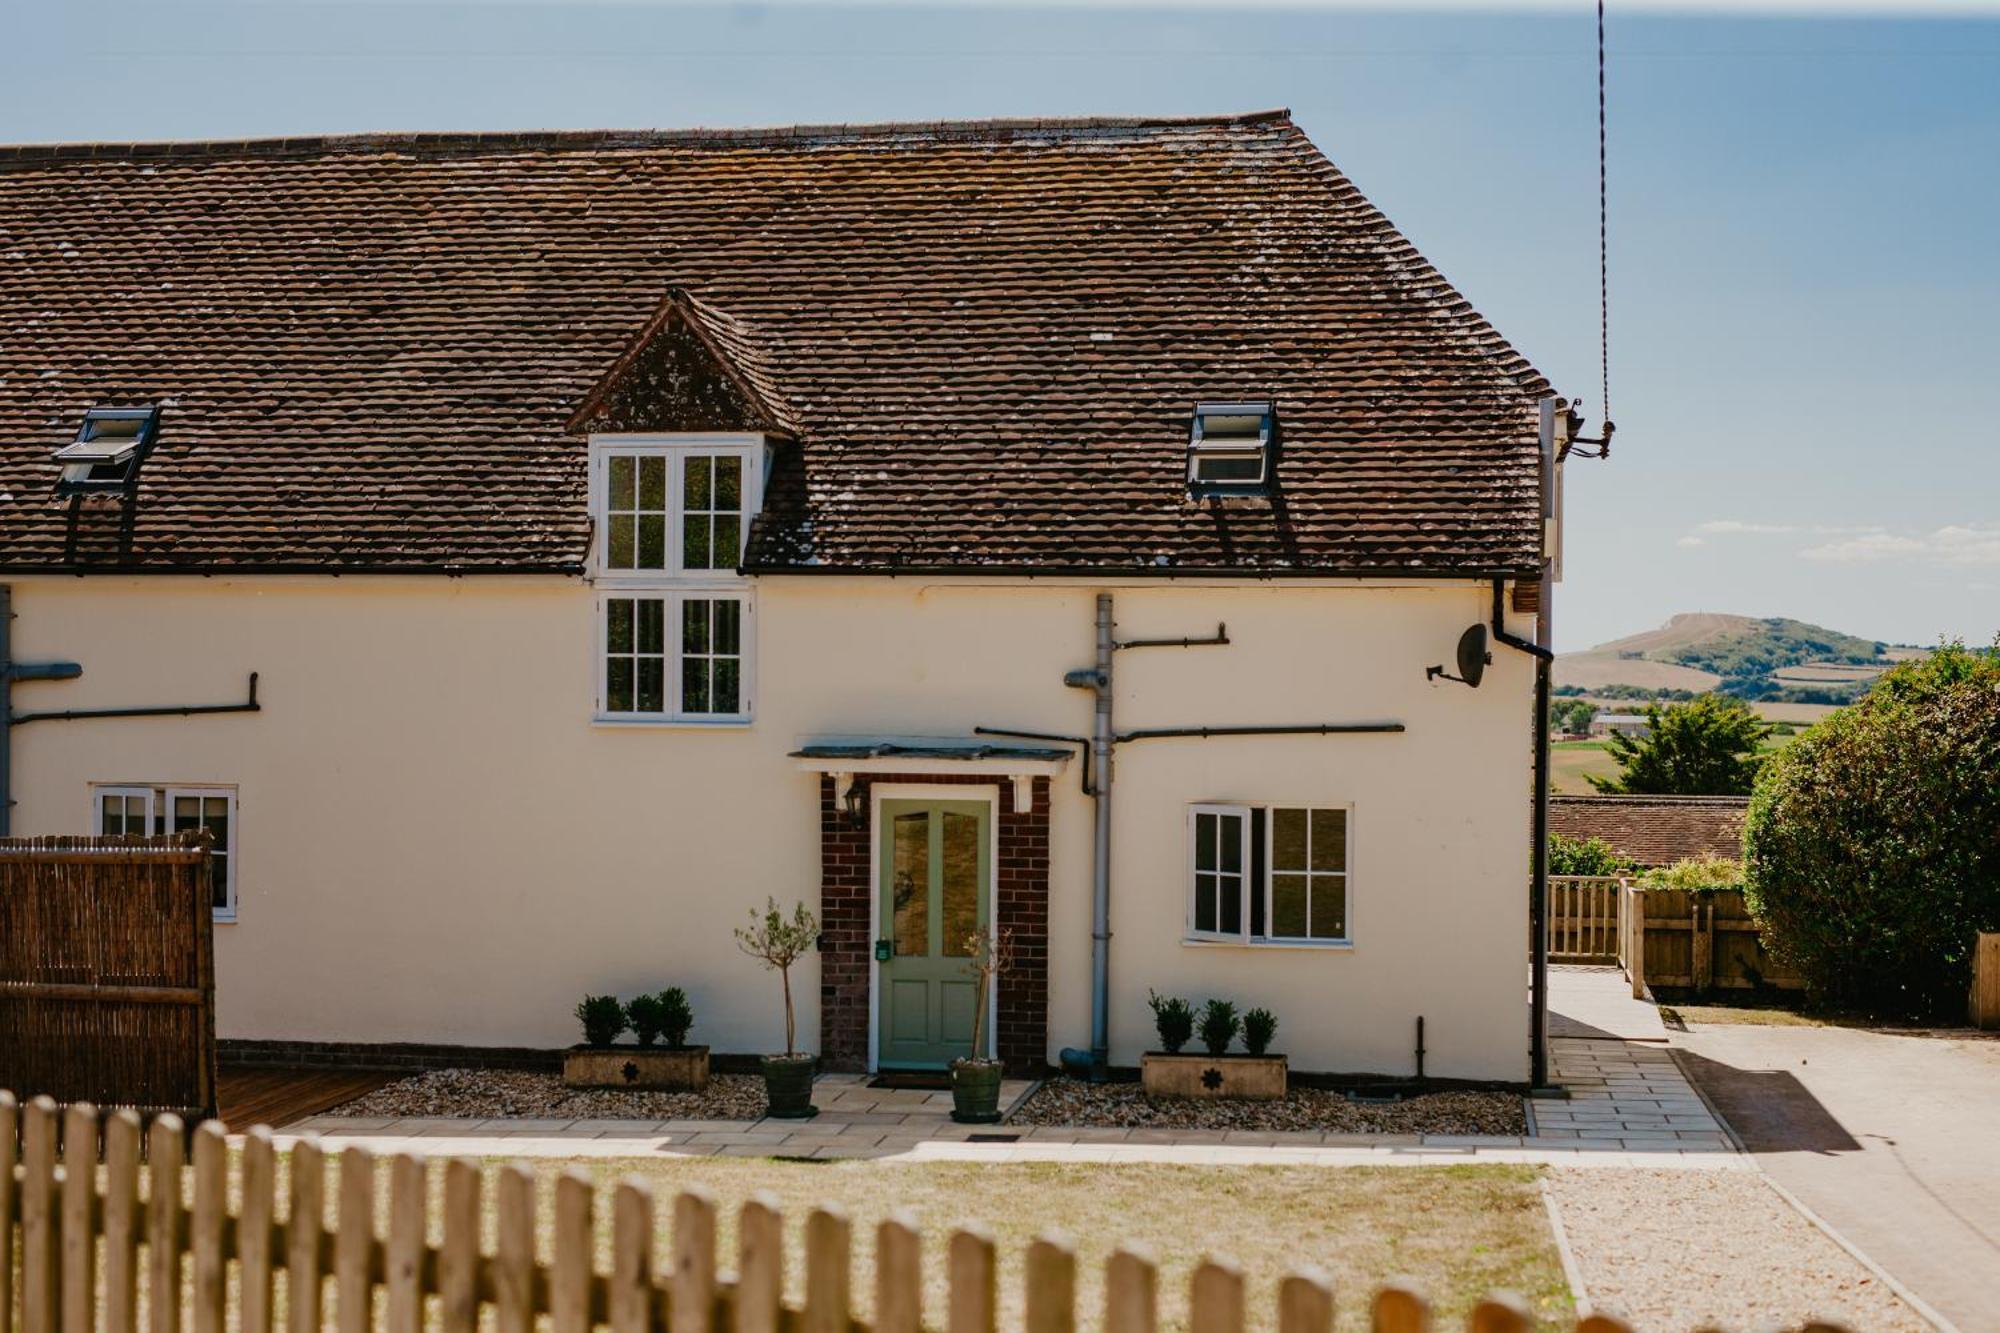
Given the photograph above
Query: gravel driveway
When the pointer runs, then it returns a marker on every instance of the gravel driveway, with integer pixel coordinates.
(1671, 1251)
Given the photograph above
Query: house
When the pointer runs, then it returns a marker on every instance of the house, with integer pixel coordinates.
(627, 528)
(1607, 723)
(1655, 830)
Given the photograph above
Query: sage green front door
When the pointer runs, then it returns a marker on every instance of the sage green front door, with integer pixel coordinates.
(933, 885)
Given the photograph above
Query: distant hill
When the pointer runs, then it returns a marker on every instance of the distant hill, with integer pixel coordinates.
(1776, 660)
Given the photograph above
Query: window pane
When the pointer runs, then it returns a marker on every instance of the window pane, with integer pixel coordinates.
(187, 812)
(728, 540)
(618, 625)
(1232, 844)
(621, 483)
(1204, 901)
(728, 625)
(694, 542)
(218, 869)
(694, 685)
(694, 625)
(1288, 840)
(1329, 907)
(909, 882)
(1229, 467)
(1329, 840)
(652, 685)
(618, 685)
(1204, 842)
(652, 614)
(1229, 901)
(961, 883)
(729, 483)
(652, 541)
(620, 555)
(1288, 905)
(653, 483)
(728, 685)
(695, 490)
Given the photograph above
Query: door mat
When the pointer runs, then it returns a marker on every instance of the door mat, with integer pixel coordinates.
(913, 1080)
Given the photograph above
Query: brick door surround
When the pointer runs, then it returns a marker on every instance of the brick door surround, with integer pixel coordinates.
(1020, 904)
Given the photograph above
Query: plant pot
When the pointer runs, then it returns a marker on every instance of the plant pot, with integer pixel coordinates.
(639, 1068)
(1254, 1078)
(975, 1092)
(788, 1086)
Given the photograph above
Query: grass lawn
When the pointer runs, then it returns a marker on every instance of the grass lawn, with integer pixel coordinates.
(1458, 1232)
(1720, 1015)
(1569, 761)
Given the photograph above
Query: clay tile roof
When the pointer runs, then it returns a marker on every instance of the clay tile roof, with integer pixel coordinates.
(981, 340)
(1654, 830)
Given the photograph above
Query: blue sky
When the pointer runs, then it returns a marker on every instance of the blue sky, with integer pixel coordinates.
(1805, 212)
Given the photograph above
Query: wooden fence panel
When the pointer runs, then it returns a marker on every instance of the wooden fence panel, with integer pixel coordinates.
(58, 1214)
(107, 985)
(1689, 940)
(1584, 918)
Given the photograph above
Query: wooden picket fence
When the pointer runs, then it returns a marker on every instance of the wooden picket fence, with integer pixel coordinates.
(1584, 918)
(94, 1255)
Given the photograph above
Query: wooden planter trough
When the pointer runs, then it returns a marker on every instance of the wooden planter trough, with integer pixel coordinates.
(1250, 1078)
(640, 1068)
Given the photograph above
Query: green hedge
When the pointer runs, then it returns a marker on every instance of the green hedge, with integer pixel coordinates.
(1872, 846)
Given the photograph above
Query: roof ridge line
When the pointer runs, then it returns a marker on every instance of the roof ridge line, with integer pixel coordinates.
(474, 139)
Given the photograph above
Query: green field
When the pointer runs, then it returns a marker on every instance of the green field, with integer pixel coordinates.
(1571, 761)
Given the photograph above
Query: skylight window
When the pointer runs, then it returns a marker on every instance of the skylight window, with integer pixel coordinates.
(108, 449)
(1229, 448)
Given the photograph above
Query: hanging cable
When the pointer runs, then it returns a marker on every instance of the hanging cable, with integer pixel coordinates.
(1602, 440)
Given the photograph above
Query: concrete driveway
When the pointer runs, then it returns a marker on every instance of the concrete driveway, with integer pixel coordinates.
(1893, 1138)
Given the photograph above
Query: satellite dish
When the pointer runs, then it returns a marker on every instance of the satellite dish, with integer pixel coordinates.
(1472, 659)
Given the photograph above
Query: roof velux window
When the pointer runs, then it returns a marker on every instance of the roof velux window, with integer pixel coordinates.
(1229, 447)
(108, 449)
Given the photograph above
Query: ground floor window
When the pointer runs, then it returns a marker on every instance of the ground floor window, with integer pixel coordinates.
(1268, 874)
(147, 811)
(675, 656)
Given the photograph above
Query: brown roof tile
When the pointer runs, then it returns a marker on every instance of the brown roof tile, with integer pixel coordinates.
(986, 338)
(1654, 830)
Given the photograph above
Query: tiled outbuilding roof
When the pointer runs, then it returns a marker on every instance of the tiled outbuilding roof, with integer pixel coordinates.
(984, 338)
(1654, 830)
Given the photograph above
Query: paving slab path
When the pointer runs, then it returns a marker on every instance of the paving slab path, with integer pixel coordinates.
(1892, 1137)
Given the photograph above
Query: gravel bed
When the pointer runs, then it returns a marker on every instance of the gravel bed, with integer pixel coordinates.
(485, 1094)
(1673, 1250)
(1067, 1101)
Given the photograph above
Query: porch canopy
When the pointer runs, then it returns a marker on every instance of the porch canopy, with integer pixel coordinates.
(1020, 764)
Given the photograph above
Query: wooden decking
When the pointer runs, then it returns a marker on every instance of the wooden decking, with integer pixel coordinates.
(276, 1097)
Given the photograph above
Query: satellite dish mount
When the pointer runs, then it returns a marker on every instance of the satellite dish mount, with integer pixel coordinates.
(1473, 659)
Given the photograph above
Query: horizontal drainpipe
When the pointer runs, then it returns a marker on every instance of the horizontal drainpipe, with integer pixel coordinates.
(160, 710)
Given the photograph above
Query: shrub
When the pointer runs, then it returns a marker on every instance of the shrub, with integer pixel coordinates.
(1174, 1018)
(1701, 874)
(1869, 848)
(603, 1018)
(644, 1015)
(676, 1016)
(1259, 1026)
(1218, 1026)
(1585, 856)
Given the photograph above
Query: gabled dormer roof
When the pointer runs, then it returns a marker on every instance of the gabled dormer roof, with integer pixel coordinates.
(689, 368)
(380, 353)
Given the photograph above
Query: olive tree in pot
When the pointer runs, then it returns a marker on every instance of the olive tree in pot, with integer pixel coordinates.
(777, 942)
(975, 1078)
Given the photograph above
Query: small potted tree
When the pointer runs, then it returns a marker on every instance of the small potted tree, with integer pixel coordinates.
(777, 942)
(975, 1078)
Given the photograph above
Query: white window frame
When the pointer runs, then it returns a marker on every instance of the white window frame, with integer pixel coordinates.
(1240, 813)
(1251, 884)
(1345, 874)
(159, 821)
(675, 585)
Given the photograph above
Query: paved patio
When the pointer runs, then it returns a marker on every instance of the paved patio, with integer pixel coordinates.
(1628, 1105)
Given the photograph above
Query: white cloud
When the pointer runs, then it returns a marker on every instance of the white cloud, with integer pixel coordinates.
(1692, 541)
(1731, 527)
(1959, 545)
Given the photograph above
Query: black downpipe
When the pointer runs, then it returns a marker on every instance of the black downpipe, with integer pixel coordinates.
(1538, 892)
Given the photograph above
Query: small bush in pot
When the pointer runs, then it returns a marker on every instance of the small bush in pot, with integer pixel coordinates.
(676, 1016)
(1173, 1017)
(644, 1013)
(603, 1018)
(1259, 1026)
(975, 1078)
(778, 941)
(1219, 1023)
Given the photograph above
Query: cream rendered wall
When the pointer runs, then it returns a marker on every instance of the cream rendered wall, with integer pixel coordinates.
(438, 845)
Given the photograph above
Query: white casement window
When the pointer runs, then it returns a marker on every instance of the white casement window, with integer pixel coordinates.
(675, 640)
(147, 811)
(1268, 874)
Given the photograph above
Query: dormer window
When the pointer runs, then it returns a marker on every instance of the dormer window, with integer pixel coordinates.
(1229, 448)
(107, 452)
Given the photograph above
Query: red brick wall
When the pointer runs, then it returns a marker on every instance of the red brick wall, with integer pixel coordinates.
(1021, 904)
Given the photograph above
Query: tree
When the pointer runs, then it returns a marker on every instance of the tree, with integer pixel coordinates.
(1571, 715)
(1872, 846)
(778, 943)
(1706, 747)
